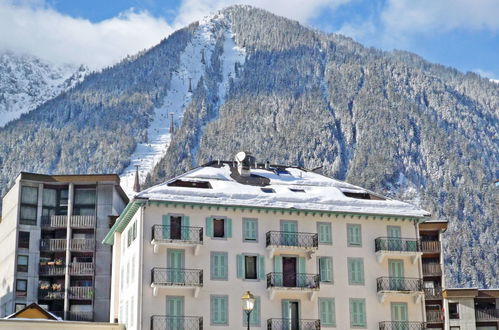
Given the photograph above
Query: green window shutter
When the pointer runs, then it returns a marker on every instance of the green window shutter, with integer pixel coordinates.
(223, 266)
(185, 228)
(325, 269)
(357, 313)
(219, 265)
(325, 233)
(278, 270)
(246, 228)
(354, 234)
(250, 229)
(254, 232)
(301, 270)
(261, 264)
(228, 228)
(223, 310)
(355, 271)
(166, 227)
(219, 305)
(285, 309)
(209, 227)
(240, 265)
(326, 312)
(360, 270)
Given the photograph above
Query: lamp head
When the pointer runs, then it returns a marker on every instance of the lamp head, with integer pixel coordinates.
(248, 301)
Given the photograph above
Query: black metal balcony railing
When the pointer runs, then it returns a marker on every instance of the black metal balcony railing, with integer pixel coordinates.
(177, 277)
(185, 234)
(402, 325)
(434, 316)
(292, 239)
(49, 294)
(433, 293)
(160, 322)
(288, 324)
(80, 316)
(293, 280)
(486, 314)
(407, 284)
(81, 292)
(430, 246)
(396, 244)
(432, 269)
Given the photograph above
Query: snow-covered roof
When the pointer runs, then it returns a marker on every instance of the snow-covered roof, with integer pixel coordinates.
(281, 187)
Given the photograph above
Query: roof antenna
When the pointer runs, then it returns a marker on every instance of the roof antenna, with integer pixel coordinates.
(136, 184)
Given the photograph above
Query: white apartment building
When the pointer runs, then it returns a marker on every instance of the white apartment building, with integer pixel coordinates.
(316, 252)
(51, 231)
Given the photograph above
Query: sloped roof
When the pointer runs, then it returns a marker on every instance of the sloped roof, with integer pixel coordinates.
(33, 311)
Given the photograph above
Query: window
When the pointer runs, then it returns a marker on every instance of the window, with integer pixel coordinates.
(297, 190)
(254, 316)
(326, 312)
(250, 230)
(355, 271)
(250, 267)
(134, 230)
(354, 236)
(21, 287)
(19, 307)
(219, 308)
(22, 263)
(453, 310)
(455, 328)
(326, 269)
(324, 231)
(218, 227)
(219, 265)
(357, 313)
(190, 184)
(84, 202)
(268, 190)
(29, 203)
(129, 237)
(23, 242)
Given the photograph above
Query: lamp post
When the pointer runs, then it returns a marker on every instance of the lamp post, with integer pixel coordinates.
(248, 301)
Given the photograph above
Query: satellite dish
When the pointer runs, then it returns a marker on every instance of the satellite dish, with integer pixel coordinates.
(240, 156)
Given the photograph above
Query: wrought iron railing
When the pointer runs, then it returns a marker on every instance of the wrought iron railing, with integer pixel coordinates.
(49, 294)
(160, 322)
(288, 324)
(52, 270)
(80, 316)
(486, 314)
(185, 234)
(399, 284)
(81, 268)
(177, 277)
(433, 293)
(402, 325)
(430, 246)
(81, 292)
(292, 239)
(396, 244)
(434, 316)
(293, 280)
(53, 244)
(432, 269)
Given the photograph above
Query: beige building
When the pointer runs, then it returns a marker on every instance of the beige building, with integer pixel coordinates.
(316, 252)
(51, 231)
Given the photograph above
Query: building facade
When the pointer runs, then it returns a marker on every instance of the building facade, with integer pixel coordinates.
(51, 231)
(316, 253)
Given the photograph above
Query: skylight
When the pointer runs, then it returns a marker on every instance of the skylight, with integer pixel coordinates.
(362, 195)
(190, 184)
(268, 190)
(297, 190)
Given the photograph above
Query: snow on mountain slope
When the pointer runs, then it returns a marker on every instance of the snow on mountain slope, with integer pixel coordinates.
(27, 81)
(193, 62)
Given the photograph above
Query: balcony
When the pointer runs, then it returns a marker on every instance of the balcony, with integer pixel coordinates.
(399, 285)
(287, 324)
(177, 237)
(160, 322)
(50, 294)
(486, 314)
(433, 293)
(82, 244)
(178, 278)
(60, 221)
(401, 325)
(81, 316)
(52, 270)
(430, 247)
(397, 247)
(81, 268)
(293, 282)
(434, 316)
(53, 244)
(291, 242)
(432, 269)
(81, 293)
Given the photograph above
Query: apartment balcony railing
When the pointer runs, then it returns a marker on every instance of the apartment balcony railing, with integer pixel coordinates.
(52, 270)
(293, 281)
(430, 246)
(77, 221)
(81, 268)
(54, 221)
(396, 244)
(82, 244)
(402, 325)
(49, 294)
(406, 284)
(185, 234)
(432, 269)
(160, 322)
(308, 241)
(288, 324)
(177, 277)
(433, 293)
(81, 292)
(485, 314)
(434, 316)
(53, 244)
(80, 316)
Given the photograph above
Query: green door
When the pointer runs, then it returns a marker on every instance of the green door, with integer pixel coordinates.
(396, 271)
(289, 236)
(290, 315)
(175, 266)
(394, 241)
(399, 316)
(175, 313)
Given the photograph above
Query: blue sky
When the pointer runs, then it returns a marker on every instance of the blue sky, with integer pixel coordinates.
(460, 33)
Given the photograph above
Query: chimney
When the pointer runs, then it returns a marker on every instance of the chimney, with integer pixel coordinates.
(136, 184)
(244, 161)
(267, 165)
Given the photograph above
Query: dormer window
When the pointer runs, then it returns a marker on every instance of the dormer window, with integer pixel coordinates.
(297, 190)
(268, 190)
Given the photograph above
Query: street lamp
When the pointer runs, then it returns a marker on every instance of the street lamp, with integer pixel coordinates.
(248, 301)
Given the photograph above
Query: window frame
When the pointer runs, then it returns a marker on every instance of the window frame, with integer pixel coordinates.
(19, 304)
(331, 269)
(328, 224)
(25, 291)
(212, 321)
(22, 270)
(28, 222)
(255, 256)
(19, 240)
(350, 243)
(333, 312)
(244, 230)
(212, 265)
(350, 278)
(454, 316)
(361, 326)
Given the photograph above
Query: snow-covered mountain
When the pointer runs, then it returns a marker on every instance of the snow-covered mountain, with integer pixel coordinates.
(27, 81)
